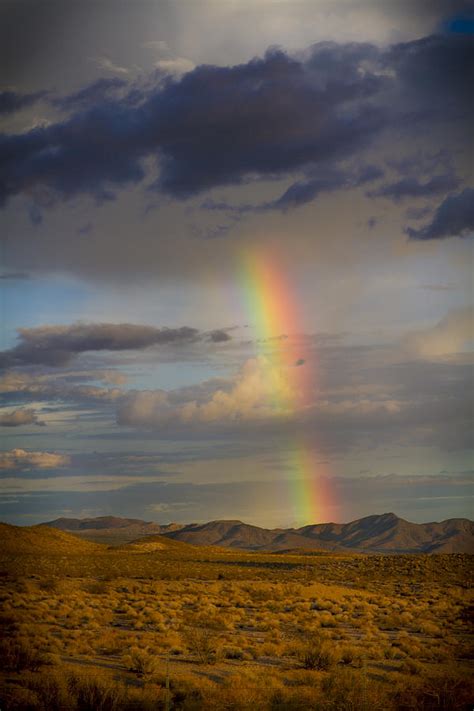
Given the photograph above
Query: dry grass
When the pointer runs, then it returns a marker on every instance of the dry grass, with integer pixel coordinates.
(234, 631)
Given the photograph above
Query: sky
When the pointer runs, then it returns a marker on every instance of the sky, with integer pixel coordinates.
(236, 260)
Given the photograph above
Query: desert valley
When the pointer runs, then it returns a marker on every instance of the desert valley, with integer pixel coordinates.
(127, 614)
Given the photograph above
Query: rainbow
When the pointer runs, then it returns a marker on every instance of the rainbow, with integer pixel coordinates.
(270, 303)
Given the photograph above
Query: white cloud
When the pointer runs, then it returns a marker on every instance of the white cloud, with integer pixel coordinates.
(109, 66)
(260, 390)
(178, 65)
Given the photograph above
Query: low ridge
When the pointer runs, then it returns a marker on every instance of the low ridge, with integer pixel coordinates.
(42, 539)
(112, 530)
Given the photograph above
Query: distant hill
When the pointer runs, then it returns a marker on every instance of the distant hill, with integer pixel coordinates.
(384, 533)
(111, 530)
(381, 533)
(387, 533)
(41, 539)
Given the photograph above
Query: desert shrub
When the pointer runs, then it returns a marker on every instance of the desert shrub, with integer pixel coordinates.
(202, 643)
(351, 655)
(96, 587)
(347, 690)
(48, 584)
(243, 692)
(17, 698)
(411, 666)
(47, 692)
(8, 623)
(141, 661)
(436, 692)
(317, 653)
(231, 652)
(96, 693)
(18, 655)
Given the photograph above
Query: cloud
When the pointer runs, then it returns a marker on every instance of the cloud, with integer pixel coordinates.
(453, 218)
(432, 71)
(17, 418)
(219, 336)
(11, 101)
(411, 187)
(16, 385)
(449, 336)
(57, 345)
(101, 90)
(108, 65)
(175, 66)
(21, 459)
(259, 391)
(324, 116)
(278, 115)
(307, 190)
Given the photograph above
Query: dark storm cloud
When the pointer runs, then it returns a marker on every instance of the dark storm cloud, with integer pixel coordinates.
(11, 101)
(100, 90)
(217, 125)
(57, 345)
(437, 72)
(411, 187)
(453, 218)
(305, 191)
(213, 127)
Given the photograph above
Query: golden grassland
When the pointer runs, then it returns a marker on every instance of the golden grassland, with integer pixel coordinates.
(111, 629)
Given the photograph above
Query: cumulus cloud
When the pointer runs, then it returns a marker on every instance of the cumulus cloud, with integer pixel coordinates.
(453, 218)
(260, 390)
(57, 345)
(17, 418)
(21, 459)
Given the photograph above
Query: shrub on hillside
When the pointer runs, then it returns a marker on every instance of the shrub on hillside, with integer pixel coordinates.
(318, 654)
(141, 661)
(17, 655)
(202, 643)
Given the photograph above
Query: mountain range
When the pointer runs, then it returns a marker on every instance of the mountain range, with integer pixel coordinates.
(384, 533)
